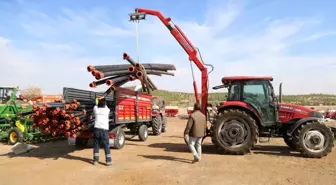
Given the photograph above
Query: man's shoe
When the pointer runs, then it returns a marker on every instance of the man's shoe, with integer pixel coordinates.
(108, 163)
(195, 160)
(95, 163)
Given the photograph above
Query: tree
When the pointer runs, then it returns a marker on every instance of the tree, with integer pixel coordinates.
(31, 93)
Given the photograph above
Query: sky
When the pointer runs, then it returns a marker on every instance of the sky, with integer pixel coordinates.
(49, 44)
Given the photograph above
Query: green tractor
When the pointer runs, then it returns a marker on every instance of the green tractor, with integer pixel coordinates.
(15, 126)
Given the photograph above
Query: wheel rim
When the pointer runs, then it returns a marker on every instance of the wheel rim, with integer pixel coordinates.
(121, 139)
(13, 137)
(234, 133)
(314, 141)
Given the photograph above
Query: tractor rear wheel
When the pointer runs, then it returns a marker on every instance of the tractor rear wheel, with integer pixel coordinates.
(234, 132)
(15, 135)
(157, 125)
(314, 140)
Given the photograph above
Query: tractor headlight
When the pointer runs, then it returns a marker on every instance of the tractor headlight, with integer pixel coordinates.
(316, 114)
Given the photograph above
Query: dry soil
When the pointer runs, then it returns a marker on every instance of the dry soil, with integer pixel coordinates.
(164, 159)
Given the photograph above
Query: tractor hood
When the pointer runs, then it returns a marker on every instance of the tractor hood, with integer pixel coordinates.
(289, 112)
(295, 108)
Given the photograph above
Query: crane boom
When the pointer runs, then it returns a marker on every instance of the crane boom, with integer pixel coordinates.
(188, 47)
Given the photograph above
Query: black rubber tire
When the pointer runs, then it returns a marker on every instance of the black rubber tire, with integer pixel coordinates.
(81, 142)
(326, 131)
(157, 125)
(143, 133)
(290, 141)
(19, 136)
(251, 141)
(120, 137)
(164, 124)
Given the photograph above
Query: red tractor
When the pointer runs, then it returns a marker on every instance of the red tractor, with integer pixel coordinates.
(252, 110)
(159, 118)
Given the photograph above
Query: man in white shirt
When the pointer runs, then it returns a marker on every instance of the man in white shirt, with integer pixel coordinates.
(101, 131)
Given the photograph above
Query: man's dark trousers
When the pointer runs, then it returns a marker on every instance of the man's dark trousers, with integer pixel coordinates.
(101, 138)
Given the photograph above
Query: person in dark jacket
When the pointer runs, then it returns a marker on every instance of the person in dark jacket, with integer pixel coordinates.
(101, 131)
(195, 131)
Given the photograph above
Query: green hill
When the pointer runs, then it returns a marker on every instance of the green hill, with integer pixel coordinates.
(186, 99)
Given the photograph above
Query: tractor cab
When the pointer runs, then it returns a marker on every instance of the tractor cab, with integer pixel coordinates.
(255, 92)
(6, 94)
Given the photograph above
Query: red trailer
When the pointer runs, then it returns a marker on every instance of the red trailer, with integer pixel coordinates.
(171, 111)
(129, 109)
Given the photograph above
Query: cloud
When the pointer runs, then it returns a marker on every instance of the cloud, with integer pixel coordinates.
(59, 46)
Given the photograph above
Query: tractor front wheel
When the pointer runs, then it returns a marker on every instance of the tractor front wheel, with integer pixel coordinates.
(15, 135)
(314, 140)
(234, 132)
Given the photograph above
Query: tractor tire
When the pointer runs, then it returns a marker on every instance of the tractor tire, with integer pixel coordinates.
(81, 142)
(143, 133)
(119, 141)
(157, 125)
(164, 124)
(240, 134)
(290, 141)
(15, 135)
(314, 133)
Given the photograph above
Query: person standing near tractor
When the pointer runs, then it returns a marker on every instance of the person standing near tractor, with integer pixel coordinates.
(101, 131)
(195, 131)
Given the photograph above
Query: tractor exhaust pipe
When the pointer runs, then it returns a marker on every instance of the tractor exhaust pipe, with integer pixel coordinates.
(280, 93)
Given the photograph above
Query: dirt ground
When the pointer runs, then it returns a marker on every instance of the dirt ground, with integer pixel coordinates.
(162, 160)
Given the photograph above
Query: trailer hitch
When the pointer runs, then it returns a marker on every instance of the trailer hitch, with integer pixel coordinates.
(137, 16)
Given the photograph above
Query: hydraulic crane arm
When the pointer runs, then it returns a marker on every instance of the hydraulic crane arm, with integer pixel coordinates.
(188, 47)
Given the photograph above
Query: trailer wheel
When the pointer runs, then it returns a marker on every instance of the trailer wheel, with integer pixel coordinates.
(157, 125)
(314, 139)
(119, 141)
(143, 133)
(164, 124)
(81, 142)
(15, 135)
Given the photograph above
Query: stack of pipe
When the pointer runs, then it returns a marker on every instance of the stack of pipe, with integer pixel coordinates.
(73, 115)
(60, 118)
(116, 75)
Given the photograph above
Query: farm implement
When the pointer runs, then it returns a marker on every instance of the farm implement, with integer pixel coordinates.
(252, 109)
(15, 125)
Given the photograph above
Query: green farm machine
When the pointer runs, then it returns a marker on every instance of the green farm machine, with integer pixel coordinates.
(15, 125)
